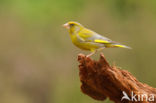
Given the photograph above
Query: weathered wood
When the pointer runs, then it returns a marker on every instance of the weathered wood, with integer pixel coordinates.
(100, 81)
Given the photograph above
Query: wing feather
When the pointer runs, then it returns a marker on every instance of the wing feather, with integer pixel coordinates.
(91, 36)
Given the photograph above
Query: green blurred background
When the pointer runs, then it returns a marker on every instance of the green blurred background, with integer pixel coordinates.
(38, 62)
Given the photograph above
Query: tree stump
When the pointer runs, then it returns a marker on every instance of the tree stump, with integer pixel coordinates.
(100, 81)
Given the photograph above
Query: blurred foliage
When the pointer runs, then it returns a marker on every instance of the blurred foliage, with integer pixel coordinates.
(34, 45)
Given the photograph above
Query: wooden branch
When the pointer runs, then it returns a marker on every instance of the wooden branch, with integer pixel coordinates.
(100, 81)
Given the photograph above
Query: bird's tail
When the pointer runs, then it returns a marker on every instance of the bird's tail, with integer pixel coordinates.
(121, 46)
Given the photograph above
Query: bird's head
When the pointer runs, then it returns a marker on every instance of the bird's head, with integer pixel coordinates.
(73, 27)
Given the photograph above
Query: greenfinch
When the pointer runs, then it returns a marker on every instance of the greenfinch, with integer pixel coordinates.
(87, 39)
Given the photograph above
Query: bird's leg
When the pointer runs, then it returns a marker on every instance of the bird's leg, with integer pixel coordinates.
(91, 53)
(100, 49)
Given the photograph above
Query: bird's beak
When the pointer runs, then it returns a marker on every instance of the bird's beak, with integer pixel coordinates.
(66, 26)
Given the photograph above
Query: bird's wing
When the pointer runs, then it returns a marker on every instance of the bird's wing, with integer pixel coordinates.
(90, 36)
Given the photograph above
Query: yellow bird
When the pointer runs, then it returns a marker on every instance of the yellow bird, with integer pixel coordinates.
(89, 40)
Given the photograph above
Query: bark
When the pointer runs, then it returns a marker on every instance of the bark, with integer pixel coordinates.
(99, 80)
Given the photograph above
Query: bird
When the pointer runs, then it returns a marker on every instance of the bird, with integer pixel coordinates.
(87, 39)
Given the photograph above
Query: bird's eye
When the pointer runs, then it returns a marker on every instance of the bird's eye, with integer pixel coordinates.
(71, 25)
